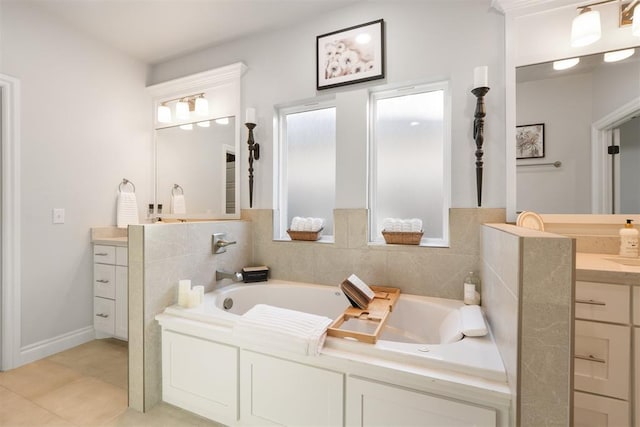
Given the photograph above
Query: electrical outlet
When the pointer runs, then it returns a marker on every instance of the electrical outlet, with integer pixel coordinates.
(58, 215)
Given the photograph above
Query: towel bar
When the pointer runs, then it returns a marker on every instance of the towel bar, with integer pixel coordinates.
(176, 187)
(556, 164)
(124, 182)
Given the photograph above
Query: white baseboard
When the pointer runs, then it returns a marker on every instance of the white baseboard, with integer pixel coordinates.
(32, 352)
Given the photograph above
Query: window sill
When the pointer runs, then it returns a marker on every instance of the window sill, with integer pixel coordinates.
(322, 239)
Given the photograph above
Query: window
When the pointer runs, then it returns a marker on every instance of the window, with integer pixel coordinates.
(307, 155)
(410, 160)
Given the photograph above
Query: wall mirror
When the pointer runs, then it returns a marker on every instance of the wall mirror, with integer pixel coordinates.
(584, 109)
(197, 148)
(198, 162)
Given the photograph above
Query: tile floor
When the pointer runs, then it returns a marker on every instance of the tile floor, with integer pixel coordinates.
(84, 386)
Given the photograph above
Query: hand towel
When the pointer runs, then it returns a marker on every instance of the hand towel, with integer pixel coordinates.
(178, 205)
(127, 210)
(282, 329)
(472, 321)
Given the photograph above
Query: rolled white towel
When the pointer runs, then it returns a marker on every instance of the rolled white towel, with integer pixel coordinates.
(296, 223)
(308, 224)
(317, 224)
(406, 226)
(397, 225)
(387, 224)
(416, 225)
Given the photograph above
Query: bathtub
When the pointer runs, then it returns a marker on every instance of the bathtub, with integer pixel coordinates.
(408, 353)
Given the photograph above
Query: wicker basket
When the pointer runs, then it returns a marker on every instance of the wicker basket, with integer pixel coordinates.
(402, 238)
(310, 236)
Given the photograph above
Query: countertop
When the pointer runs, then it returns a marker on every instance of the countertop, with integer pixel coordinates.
(602, 268)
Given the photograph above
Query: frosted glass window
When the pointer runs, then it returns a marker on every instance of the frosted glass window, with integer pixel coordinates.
(308, 166)
(410, 160)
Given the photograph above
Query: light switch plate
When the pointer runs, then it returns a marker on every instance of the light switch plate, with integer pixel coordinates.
(58, 215)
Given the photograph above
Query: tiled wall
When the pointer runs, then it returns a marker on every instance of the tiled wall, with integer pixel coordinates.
(416, 270)
(159, 256)
(528, 281)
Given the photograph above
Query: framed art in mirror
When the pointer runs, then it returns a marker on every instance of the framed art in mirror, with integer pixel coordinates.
(530, 141)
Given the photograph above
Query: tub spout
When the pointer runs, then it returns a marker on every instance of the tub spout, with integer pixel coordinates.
(221, 274)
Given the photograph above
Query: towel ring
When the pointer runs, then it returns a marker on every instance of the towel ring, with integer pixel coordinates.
(124, 182)
(176, 187)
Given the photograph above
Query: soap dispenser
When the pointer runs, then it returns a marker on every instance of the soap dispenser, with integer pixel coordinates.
(629, 240)
(471, 289)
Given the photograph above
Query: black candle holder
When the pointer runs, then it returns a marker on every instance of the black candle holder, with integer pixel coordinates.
(478, 135)
(254, 154)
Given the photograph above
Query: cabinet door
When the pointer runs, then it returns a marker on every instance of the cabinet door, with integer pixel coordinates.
(602, 302)
(599, 411)
(636, 305)
(104, 281)
(103, 315)
(602, 358)
(200, 376)
(279, 392)
(371, 403)
(122, 256)
(122, 306)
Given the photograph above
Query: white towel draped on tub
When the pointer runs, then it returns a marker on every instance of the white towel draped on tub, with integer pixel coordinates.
(178, 205)
(127, 210)
(282, 329)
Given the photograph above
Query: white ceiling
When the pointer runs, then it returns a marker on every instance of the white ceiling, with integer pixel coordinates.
(156, 30)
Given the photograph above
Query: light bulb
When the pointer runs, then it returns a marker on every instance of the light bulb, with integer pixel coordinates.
(202, 106)
(182, 110)
(222, 121)
(204, 124)
(188, 126)
(585, 28)
(164, 114)
(618, 55)
(565, 64)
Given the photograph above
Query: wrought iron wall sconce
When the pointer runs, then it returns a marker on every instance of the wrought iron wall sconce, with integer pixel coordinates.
(480, 89)
(254, 148)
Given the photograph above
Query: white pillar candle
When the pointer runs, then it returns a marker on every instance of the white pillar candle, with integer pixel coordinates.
(481, 76)
(184, 288)
(251, 115)
(200, 291)
(193, 299)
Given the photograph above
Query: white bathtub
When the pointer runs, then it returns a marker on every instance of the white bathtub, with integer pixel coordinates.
(411, 335)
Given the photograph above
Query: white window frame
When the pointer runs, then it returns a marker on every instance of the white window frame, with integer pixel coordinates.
(386, 92)
(280, 221)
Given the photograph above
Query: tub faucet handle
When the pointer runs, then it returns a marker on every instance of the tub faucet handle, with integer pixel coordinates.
(219, 243)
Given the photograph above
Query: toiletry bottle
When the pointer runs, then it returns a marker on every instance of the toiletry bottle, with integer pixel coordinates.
(472, 289)
(629, 240)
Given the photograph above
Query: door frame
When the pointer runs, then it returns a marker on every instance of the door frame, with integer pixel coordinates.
(601, 134)
(10, 227)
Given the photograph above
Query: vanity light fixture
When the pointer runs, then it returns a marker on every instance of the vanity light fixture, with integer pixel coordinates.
(184, 106)
(565, 64)
(618, 55)
(586, 29)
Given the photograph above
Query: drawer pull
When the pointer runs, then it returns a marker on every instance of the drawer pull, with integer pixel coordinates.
(102, 315)
(102, 281)
(101, 254)
(590, 302)
(590, 358)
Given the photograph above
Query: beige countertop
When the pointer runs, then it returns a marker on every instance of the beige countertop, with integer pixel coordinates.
(112, 241)
(607, 268)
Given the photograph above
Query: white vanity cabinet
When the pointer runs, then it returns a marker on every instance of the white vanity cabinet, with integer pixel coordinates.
(110, 288)
(602, 354)
(372, 403)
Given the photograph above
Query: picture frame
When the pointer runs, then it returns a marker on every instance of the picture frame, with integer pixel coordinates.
(530, 141)
(351, 55)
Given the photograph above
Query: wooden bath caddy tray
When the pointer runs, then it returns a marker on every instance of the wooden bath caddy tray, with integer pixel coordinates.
(368, 322)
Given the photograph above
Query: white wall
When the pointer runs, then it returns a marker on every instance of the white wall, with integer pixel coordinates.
(629, 161)
(424, 42)
(85, 125)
